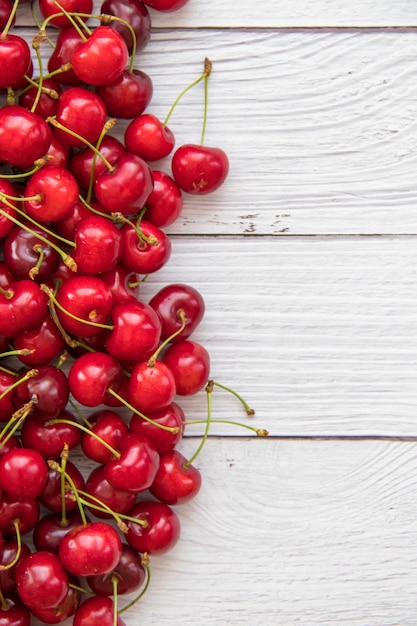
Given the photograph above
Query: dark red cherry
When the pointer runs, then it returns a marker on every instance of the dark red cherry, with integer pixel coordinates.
(161, 532)
(49, 439)
(128, 95)
(45, 341)
(51, 529)
(176, 481)
(6, 7)
(49, 7)
(170, 302)
(14, 613)
(129, 572)
(47, 104)
(51, 496)
(8, 553)
(164, 205)
(26, 256)
(26, 511)
(134, 13)
(49, 387)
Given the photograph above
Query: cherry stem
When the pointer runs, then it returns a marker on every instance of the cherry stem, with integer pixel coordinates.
(85, 429)
(260, 432)
(19, 547)
(115, 582)
(3, 604)
(107, 19)
(39, 164)
(122, 219)
(34, 271)
(66, 258)
(52, 93)
(22, 352)
(81, 589)
(51, 295)
(170, 429)
(145, 563)
(76, 409)
(72, 343)
(29, 374)
(64, 459)
(56, 466)
(10, 20)
(246, 406)
(204, 76)
(209, 390)
(101, 506)
(107, 126)
(75, 22)
(6, 370)
(36, 44)
(15, 421)
(153, 358)
(207, 71)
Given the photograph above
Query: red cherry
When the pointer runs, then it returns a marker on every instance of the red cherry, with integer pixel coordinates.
(108, 426)
(136, 332)
(123, 283)
(151, 388)
(92, 376)
(80, 111)
(14, 613)
(24, 136)
(49, 7)
(6, 7)
(49, 387)
(14, 60)
(129, 572)
(51, 496)
(68, 40)
(26, 511)
(81, 162)
(136, 467)
(62, 611)
(90, 549)
(98, 245)
(6, 404)
(147, 251)
(118, 500)
(128, 95)
(102, 58)
(45, 341)
(66, 228)
(161, 532)
(164, 205)
(170, 301)
(57, 190)
(147, 137)
(23, 473)
(6, 225)
(199, 169)
(9, 553)
(47, 104)
(51, 529)
(42, 581)
(189, 363)
(22, 307)
(171, 416)
(97, 610)
(26, 256)
(134, 13)
(58, 153)
(49, 439)
(175, 482)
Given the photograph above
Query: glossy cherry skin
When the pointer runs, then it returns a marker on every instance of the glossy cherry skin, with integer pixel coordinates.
(165, 5)
(108, 426)
(164, 205)
(128, 95)
(129, 572)
(175, 481)
(42, 581)
(136, 332)
(151, 388)
(16, 614)
(62, 611)
(24, 136)
(49, 387)
(123, 283)
(162, 532)
(198, 169)
(14, 59)
(22, 308)
(8, 553)
(92, 376)
(25, 510)
(98, 245)
(51, 496)
(168, 304)
(126, 188)
(134, 13)
(147, 137)
(6, 225)
(50, 530)
(148, 254)
(45, 341)
(81, 163)
(136, 467)
(88, 298)
(49, 439)
(6, 405)
(58, 191)
(23, 251)
(49, 7)
(96, 610)
(92, 62)
(90, 549)
(23, 473)
(68, 40)
(189, 363)
(58, 153)
(163, 440)
(47, 104)
(80, 111)
(118, 500)
(66, 228)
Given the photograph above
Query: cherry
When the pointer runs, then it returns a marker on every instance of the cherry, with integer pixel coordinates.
(47, 104)
(90, 549)
(49, 7)
(50, 529)
(118, 500)
(126, 342)
(23, 473)
(82, 112)
(58, 153)
(49, 439)
(51, 496)
(161, 532)
(176, 481)
(26, 256)
(92, 61)
(171, 416)
(97, 610)
(134, 13)
(68, 40)
(26, 511)
(66, 228)
(10, 552)
(62, 611)
(92, 377)
(123, 283)
(14, 613)
(45, 341)
(128, 95)
(129, 572)
(165, 5)
(199, 169)
(135, 468)
(81, 163)
(164, 205)
(56, 192)
(146, 251)
(14, 59)
(98, 245)
(86, 297)
(151, 388)
(23, 306)
(24, 136)
(189, 363)
(170, 301)
(147, 137)
(42, 581)
(106, 425)
(126, 187)
(49, 387)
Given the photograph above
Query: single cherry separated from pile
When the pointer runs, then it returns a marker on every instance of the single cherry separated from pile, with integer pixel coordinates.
(82, 219)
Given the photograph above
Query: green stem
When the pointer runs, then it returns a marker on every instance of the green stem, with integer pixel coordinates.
(18, 550)
(248, 409)
(36, 46)
(56, 466)
(51, 295)
(86, 430)
(27, 376)
(180, 95)
(152, 359)
(10, 20)
(64, 459)
(15, 422)
(170, 429)
(260, 432)
(209, 390)
(107, 126)
(145, 563)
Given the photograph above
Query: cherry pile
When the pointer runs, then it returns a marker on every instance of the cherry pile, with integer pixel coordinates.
(82, 219)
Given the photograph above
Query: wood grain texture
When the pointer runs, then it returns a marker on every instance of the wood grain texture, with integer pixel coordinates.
(294, 532)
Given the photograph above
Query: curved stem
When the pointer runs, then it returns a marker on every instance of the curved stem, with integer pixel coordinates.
(145, 563)
(19, 548)
(56, 466)
(86, 430)
(15, 422)
(152, 359)
(107, 126)
(248, 409)
(27, 376)
(64, 459)
(10, 20)
(36, 44)
(51, 295)
(260, 432)
(180, 95)
(171, 429)
(209, 390)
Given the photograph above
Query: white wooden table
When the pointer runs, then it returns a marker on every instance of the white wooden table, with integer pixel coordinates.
(307, 260)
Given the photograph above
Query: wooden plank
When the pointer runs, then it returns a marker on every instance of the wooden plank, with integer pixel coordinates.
(319, 128)
(306, 532)
(218, 14)
(319, 334)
